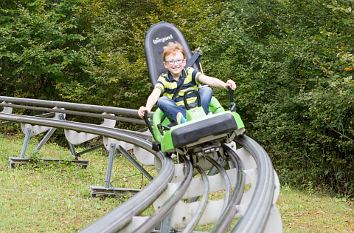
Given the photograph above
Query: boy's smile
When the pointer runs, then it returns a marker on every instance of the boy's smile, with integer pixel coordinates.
(175, 63)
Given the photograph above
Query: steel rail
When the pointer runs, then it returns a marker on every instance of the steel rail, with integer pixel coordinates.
(72, 106)
(140, 135)
(257, 213)
(48, 114)
(227, 181)
(77, 113)
(203, 203)
(120, 216)
(123, 214)
(225, 219)
(167, 207)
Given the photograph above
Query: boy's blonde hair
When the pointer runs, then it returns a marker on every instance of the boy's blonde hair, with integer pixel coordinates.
(172, 47)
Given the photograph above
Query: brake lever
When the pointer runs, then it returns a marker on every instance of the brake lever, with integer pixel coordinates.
(155, 144)
(232, 104)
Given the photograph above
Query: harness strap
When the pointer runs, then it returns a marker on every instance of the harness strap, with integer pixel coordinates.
(194, 58)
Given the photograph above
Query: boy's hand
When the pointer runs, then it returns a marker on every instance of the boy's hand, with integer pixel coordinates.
(231, 84)
(142, 110)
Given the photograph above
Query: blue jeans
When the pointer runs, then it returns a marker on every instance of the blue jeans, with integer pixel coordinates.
(170, 108)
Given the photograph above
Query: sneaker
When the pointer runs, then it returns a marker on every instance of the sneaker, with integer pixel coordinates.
(180, 118)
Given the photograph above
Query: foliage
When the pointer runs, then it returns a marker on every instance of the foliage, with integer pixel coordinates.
(299, 101)
(292, 60)
(39, 45)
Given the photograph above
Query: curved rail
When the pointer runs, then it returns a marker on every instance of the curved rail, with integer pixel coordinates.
(259, 208)
(122, 215)
(253, 220)
(227, 181)
(172, 201)
(230, 210)
(194, 221)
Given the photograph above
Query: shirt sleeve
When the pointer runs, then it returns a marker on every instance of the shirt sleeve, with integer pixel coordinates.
(159, 84)
(195, 76)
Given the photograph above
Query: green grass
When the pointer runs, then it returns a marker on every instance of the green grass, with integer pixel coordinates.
(57, 198)
(306, 211)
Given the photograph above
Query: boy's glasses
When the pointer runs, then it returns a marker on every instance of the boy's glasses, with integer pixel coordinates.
(177, 61)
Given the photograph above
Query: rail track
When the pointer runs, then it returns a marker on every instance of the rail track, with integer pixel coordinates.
(233, 188)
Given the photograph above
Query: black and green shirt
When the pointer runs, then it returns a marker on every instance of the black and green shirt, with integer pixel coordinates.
(168, 85)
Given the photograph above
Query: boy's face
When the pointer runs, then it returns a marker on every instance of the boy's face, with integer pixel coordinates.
(175, 63)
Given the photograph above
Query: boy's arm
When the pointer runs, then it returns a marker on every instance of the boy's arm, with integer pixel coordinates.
(154, 96)
(151, 101)
(215, 82)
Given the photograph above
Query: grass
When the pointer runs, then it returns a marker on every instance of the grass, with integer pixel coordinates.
(57, 198)
(306, 211)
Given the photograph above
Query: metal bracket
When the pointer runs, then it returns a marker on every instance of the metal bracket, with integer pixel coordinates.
(108, 190)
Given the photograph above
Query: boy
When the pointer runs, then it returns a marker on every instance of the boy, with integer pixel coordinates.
(174, 60)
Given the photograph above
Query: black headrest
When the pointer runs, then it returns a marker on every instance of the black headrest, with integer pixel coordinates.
(156, 38)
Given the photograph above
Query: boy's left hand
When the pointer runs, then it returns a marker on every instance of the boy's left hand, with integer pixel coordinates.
(230, 83)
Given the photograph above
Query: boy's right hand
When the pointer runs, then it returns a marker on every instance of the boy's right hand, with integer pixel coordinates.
(142, 110)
